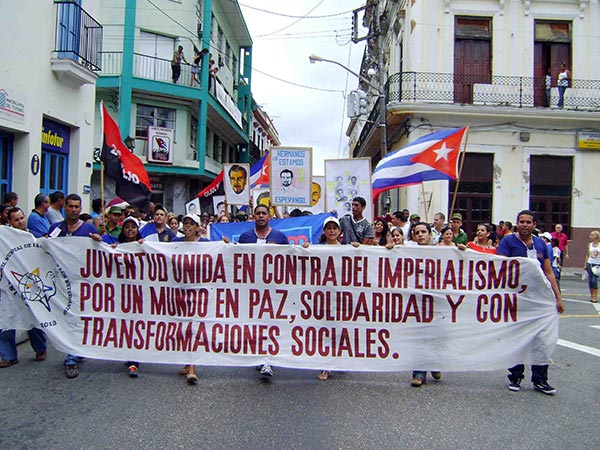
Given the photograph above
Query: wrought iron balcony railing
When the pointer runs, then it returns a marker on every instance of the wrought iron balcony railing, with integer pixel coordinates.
(518, 92)
(148, 67)
(78, 35)
(447, 88)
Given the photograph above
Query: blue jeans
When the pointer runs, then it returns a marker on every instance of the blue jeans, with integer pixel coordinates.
(8, 345)
(539, 374)
(592, 279)
(561, 96)
(422, 374)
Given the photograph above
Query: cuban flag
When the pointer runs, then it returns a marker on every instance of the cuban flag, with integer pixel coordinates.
(431, 157)
(259, 173)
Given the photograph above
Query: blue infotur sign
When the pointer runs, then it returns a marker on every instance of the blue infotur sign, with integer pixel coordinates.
(55, 137)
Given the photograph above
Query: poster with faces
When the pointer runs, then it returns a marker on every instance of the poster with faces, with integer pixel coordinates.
(291, 176)
(346, 179)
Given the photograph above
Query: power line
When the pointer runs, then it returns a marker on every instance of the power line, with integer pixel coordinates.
(292, 16)
(293, 23)
(296, 84)
(253, 68)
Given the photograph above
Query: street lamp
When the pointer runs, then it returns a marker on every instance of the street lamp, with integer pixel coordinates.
(314, 58)
(130, 143)
(380, 91)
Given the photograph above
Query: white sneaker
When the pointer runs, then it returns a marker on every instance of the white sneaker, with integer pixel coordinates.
(266, 369)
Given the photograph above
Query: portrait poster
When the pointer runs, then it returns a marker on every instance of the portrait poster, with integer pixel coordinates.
(262, 196)
(218, 204)
(236, 183)
(291, 176)
(346, 179)
(193, 206)
(317, 195)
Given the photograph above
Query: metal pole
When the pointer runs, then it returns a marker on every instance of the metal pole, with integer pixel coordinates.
(382, 100)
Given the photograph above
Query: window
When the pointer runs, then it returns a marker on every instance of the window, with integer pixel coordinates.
(6, 154)
(193, 153)
(228, 54)
(550, 187)
(53, 172)
(474, 197)
(153, 116)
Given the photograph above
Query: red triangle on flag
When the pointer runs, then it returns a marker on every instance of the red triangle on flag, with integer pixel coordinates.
(263, 180)
(443, 155)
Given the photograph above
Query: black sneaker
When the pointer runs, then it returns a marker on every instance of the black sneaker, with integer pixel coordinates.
(544, 388)
(514, 385)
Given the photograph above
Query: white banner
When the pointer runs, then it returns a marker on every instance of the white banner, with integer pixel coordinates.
(325, 307)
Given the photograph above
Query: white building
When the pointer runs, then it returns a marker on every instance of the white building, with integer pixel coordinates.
(50, 56)
(450, 63)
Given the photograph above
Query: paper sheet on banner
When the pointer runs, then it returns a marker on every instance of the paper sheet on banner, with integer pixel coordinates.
(325, 307)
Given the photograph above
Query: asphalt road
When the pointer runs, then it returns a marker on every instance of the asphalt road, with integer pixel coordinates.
(233, 408)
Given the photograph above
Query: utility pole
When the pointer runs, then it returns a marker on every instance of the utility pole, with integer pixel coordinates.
(375, 8)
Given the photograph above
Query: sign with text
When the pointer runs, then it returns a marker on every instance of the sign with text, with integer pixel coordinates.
(160, 145)
(291, 175)
(321, 307)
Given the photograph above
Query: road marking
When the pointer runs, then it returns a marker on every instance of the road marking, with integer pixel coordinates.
(579, 316)
(581, 348)
(575, 301)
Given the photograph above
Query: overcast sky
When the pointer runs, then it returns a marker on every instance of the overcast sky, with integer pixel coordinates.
(304, 117)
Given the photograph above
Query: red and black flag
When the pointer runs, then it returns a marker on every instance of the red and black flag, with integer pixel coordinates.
(133, 183)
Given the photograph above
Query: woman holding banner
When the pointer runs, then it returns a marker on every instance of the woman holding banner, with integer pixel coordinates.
(191, 233)
(330, 236)
(482, 243)
(130, 233)
(422, 234)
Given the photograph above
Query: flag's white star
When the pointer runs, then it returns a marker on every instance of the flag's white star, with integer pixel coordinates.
(442, 152)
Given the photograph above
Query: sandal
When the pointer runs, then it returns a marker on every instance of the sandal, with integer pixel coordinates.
(323, 376)
(184, 370)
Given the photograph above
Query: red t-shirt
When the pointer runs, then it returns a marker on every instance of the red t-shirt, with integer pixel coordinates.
(563, 240)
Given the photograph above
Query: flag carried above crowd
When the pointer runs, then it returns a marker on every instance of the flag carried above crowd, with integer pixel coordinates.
(431, 157)
(128, 171)
(286, 173)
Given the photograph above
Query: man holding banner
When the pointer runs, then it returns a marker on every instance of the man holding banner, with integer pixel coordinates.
(262, 233)
(73, 226)
(524, 244)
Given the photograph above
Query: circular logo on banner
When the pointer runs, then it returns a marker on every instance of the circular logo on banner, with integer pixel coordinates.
(35, 164)
(36, 278)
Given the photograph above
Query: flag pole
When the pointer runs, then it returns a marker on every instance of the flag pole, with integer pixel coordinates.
(101, 168)
(462, 162)
(101, 191)
(425, 205)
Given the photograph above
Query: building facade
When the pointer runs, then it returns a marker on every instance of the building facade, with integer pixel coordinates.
(47, 90)
(450, 63)
(264, 133)
(202, 119)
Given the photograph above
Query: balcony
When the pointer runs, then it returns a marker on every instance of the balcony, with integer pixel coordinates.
(78, 45)
(519, 92)
(148, 67)
(447, 88)
(159, 69)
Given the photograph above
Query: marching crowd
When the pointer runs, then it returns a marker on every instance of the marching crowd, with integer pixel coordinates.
(121, 223)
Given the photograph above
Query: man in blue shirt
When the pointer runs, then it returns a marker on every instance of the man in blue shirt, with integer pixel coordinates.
(524, 244)
(37, 224)
(73, 226)
(262, 233)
